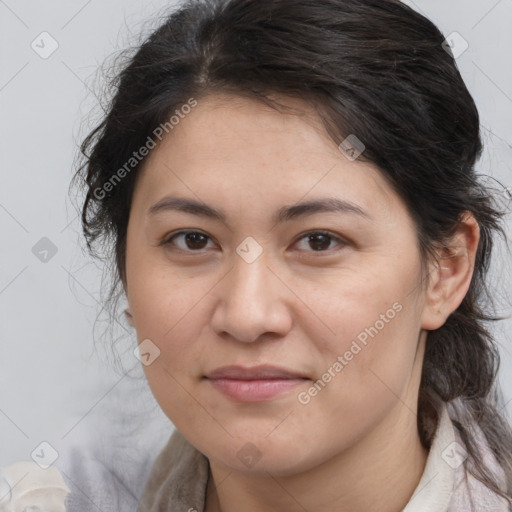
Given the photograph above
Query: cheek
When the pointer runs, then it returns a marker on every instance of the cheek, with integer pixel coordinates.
(170, 310)
(361, 382)
(370, 355)
(163, 300)
(366, 306)
(180, 402)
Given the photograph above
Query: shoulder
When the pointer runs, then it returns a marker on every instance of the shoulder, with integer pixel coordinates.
(107, 464)
(446, 484)
(469, 493)
(100, 478)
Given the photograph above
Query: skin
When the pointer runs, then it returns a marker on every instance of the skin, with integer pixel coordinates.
(355, 445)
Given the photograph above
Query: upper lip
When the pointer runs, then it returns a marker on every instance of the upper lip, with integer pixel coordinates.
(253, 373)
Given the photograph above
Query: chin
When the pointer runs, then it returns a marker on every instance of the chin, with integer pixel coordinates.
(261, 455)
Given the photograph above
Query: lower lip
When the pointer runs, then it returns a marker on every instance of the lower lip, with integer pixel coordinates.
(254, 390)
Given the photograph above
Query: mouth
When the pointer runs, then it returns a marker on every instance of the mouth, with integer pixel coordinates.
(254, 384)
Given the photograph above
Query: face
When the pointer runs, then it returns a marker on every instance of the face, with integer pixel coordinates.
(278, 325)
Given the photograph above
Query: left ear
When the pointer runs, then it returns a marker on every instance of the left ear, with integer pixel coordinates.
(450, 275)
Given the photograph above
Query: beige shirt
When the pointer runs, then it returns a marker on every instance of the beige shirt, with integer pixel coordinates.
(179, 477)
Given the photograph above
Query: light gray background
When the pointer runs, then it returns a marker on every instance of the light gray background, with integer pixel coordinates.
(54, 385)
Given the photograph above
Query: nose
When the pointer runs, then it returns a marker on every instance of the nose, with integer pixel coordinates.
(251, 301)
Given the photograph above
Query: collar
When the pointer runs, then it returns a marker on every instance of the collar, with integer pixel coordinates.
(435, 487)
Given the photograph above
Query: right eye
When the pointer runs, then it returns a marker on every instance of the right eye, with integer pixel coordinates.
(189, 241)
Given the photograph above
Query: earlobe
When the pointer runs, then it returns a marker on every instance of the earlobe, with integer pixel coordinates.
(451, 273)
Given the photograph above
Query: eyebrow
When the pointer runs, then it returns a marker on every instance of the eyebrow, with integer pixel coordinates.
(283, 214)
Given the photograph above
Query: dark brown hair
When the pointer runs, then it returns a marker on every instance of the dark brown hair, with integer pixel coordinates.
(373, 68)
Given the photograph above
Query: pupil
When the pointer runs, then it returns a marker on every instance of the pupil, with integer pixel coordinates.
(318, 238)
(193, 242)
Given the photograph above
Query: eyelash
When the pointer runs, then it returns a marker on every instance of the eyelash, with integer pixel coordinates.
(169, 240)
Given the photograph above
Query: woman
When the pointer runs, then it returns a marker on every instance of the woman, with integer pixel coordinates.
(289, 192)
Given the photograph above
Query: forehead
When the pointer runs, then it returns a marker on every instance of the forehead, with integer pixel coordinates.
(240, 150)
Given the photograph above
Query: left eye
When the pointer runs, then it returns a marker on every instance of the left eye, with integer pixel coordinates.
(320, 240)
(195, 241)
